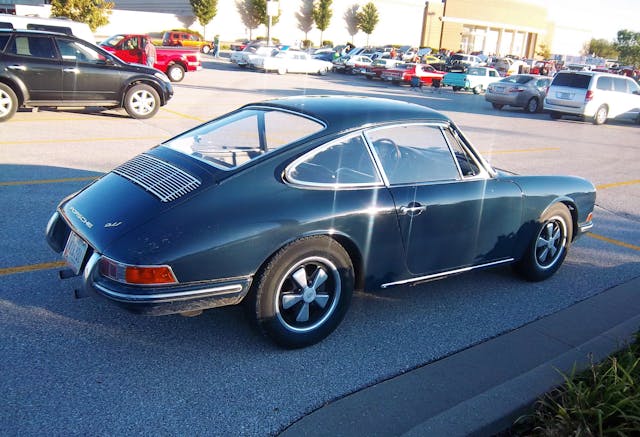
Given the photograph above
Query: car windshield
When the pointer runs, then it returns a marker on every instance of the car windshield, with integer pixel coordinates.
(112, 41)
(233, 140)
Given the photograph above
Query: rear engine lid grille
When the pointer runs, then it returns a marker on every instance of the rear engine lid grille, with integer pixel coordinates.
(158, 177)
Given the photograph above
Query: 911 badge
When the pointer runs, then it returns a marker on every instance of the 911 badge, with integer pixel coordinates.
(112, 224)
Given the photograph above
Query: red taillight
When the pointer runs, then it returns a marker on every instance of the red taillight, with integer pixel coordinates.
(139, 275)
(588, 96)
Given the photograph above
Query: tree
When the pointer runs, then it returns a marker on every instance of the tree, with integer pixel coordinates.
(543, 51)
(204, 10)
(351, 17)
(601, 48)
(305, 17)
(249, 15)
(322, 15)
(628, 45)
(368, 19)
(93, 12)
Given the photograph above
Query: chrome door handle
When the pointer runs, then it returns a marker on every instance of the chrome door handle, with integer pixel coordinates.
(17, 67)
(412, 209)
(70, 70)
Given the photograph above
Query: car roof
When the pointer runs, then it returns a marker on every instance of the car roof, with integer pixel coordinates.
(345, 112)
(35, 32)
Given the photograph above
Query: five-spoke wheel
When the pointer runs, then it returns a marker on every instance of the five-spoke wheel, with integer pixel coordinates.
(142, 101)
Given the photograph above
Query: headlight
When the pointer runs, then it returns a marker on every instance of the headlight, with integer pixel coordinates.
(160, 75)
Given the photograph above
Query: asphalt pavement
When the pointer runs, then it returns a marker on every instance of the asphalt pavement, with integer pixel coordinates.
(481, 390)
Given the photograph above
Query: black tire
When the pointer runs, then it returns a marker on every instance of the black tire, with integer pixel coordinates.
(533, 106)
(141, 101)
(549, 246)
(205, 49)
(323, 71)
(8, 102)
(457, 88)
(175, 72)
(600, 117)
(477, 89)
(497, 106)
(555, 115)
(302, 294)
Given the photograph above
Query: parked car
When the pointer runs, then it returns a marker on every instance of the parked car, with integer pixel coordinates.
(292, 61)
(186, 39)
(476, 79)
(378, 66)
(246, 57)
(53, 69)
(459, 62)
(288, 206)
(173, 61)
(522, 90)
(593, 95)
(61, 25)
(356, 64)
(402, 73)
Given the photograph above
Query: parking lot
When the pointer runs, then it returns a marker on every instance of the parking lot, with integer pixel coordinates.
(85, 367)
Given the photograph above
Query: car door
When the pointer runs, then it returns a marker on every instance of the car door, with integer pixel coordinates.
(627, 104)
(451, 212)
(89, 75)
(33, 61)
(130, 50)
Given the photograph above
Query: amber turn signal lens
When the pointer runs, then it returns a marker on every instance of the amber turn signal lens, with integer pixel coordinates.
(149, 275)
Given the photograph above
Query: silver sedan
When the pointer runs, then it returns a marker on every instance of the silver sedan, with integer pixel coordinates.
(526, 91)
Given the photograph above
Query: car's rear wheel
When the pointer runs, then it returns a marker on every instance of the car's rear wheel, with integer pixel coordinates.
(282, 70)
(555, 115)
(8, 102)
(175, 72)
(600, 117)
(141, 101)
(477, 89)
(206, 49)
(549, 247)
(497, 106)
(532, 105)
(303, 292)
(323, 71)
(457, 88)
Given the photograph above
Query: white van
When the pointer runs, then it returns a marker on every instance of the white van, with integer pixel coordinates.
(594, 95)
(60, 25)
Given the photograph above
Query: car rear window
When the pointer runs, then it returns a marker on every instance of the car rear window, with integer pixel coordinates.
(231, 141)
(572, 80)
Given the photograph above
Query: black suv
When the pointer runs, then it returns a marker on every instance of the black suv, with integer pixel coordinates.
(52, 69)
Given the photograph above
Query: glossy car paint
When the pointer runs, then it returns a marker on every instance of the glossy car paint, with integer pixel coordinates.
(222, 233)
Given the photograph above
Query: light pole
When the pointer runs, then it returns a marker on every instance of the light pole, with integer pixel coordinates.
(272, 9)
(429, 23)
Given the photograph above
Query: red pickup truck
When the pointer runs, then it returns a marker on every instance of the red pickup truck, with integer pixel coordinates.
(173, 61)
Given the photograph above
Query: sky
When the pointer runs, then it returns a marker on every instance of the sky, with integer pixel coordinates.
(603, 17)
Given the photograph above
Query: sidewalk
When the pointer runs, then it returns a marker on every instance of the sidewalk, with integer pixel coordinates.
(482, 390)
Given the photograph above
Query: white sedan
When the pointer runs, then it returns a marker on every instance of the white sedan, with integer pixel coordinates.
(292, 61)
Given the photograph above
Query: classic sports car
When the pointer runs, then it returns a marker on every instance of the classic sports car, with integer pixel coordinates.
(288, 206)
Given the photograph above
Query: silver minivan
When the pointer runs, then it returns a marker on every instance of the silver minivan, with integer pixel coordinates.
(593, 95)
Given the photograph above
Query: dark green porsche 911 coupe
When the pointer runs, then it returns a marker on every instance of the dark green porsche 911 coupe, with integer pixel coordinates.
(288, 205)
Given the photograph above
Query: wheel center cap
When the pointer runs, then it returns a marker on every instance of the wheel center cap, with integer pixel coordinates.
(309, 295)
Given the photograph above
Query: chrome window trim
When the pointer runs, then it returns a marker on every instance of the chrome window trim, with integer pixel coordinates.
(288, 178)
(483, 174)
(446, 273)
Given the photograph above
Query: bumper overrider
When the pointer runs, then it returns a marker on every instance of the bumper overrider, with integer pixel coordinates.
(145, 299)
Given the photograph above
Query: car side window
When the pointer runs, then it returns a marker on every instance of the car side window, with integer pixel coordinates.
(468, 165)
(34, 46)
(620, 85)
(78, 52)
(413, 154)
(343, 162)
(604, 83)
(3, 42)
(633, 87)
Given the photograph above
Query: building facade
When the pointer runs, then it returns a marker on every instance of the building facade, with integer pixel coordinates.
(498, 27)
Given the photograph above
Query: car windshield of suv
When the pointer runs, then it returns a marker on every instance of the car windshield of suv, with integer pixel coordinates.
(244, 135)
(572, 80)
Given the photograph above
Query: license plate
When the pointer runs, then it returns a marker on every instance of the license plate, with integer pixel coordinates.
(499, 89)
(565, 96)
(74, 252)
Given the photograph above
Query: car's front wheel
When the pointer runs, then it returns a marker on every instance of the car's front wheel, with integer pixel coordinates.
(206, 49)
(497, 106)
(141, 101)
(175, 72)
(282, 70)
(303, 292)
(549, 247)
(477, 89)
(8, 102)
